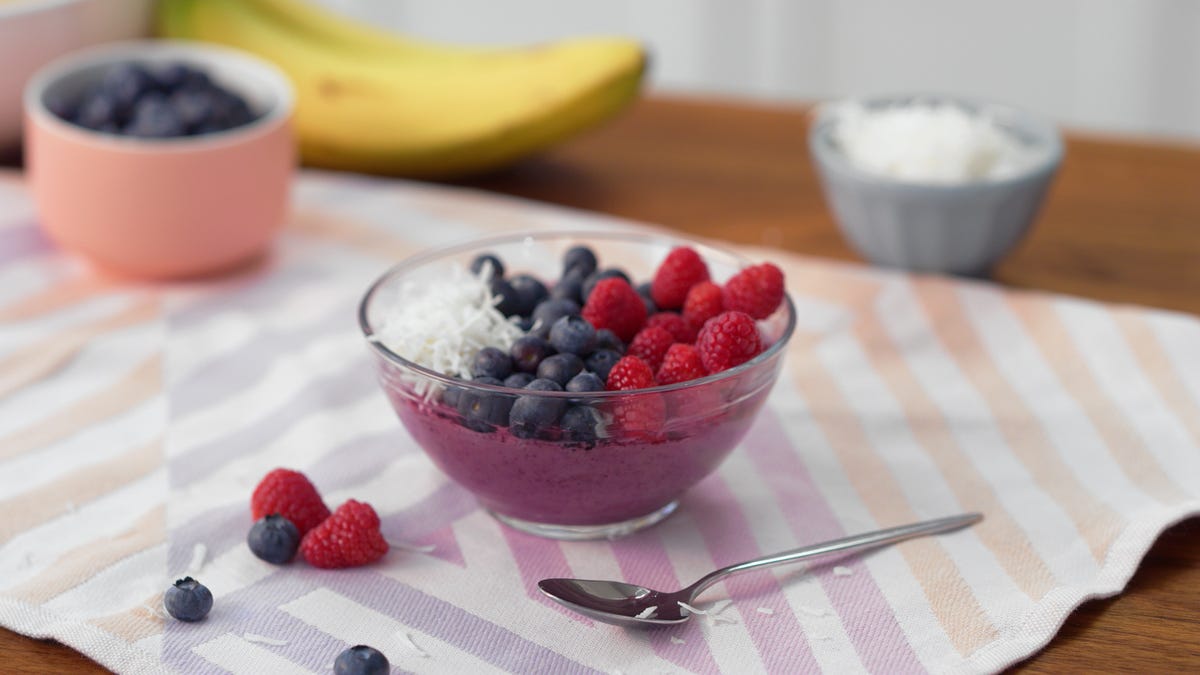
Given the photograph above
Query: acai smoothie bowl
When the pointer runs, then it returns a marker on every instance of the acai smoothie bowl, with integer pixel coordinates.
(578, 383)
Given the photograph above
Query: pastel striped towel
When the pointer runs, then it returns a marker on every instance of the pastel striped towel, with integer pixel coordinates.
(135, 419)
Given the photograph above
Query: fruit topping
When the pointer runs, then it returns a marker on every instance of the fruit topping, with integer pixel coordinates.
(727, 340)
(289, 494)
(756, 290)
(188, 600)
(350, 537)
(614, 305)
(678, 272)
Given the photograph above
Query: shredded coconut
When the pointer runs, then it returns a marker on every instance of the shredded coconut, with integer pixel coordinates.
(647, 613)
(928, 142)
(199, 552)
(812, 612)
(442, 323)
(765, 610)
(678, 641)
(407, 641)
(427, 548)
(688, 608)
(251, 637)
(842, 571)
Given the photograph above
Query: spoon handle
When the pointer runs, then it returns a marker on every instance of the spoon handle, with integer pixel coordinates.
(856, 542)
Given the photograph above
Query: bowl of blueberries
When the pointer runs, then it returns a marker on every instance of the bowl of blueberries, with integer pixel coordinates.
(160, 159)
(578, 383)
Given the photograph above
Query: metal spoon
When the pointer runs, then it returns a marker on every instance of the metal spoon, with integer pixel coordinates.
(629, 605)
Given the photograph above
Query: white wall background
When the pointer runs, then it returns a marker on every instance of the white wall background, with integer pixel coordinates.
(1123, 66)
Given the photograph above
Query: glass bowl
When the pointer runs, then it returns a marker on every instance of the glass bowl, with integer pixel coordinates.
(638, 453)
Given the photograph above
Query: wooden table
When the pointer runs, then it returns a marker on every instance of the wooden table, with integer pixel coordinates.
(1122, 224)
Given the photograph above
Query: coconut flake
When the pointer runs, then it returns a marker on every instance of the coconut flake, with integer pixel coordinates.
(842, 571)
(442, 323)
(765, 610)
(407, 641)
(678, 641)
(647, 613)
(812, 612)
(262, 639)
(199, 552)
(688, 608)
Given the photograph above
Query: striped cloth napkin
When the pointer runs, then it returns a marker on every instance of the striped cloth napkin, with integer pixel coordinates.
(136, 419)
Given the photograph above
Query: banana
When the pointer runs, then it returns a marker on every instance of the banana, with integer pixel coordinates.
(366, 101)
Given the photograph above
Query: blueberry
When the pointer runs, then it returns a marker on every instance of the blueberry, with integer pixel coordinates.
(531, 415)
(153, 117)
(572, 335)
(596, 277)
(527, 353)
(483, 259)
(194, 108)
(491, 362)
(63, 107)
(126, 83)
(518, 380)
(529, 291)
(569, 287)
(97, 111)
(508, 302)
(229, 109)
(361, 660)
(644, 291)
(546, 313)
(580, 259)
(606, 339)
(560, 368)
(581, 423)
(451, 394)
(585, 382)
(178, 76)
(525, 323)
(484, 410)
(274, 539)
(601, 362)
(188, 600)
(542, 384)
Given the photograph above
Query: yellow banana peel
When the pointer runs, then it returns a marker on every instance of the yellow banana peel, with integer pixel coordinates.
(370, 101)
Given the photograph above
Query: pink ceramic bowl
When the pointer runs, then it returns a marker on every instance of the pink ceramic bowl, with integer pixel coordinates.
(162, 208)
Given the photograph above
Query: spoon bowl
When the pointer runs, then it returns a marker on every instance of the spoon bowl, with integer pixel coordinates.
(630, 605)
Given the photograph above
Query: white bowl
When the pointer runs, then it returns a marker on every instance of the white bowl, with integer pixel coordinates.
(953, 228)
(34, 32)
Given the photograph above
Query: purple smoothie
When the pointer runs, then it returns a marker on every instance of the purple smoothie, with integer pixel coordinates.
(613, 478)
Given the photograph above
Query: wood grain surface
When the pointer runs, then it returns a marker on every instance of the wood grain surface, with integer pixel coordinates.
(1122, 224)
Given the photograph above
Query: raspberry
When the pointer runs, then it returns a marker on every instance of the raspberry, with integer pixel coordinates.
(614, 305)
(727, 340)
(640, 415)
(756, 290)
(703, 302)
(651, 346)
(348, 538)
(291, 495)
(682, 269)
(630, 373)
(674, 324)
(682, 363)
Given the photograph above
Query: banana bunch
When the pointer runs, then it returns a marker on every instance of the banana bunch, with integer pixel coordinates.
(368, 100)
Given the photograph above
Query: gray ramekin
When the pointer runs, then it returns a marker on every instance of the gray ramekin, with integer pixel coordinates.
(962, 228)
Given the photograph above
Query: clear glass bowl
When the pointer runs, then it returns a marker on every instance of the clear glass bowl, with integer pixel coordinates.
(647, 448)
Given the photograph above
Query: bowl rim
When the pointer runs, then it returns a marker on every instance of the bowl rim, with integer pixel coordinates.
(190, 51)
(828, 155)
(581, 235)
